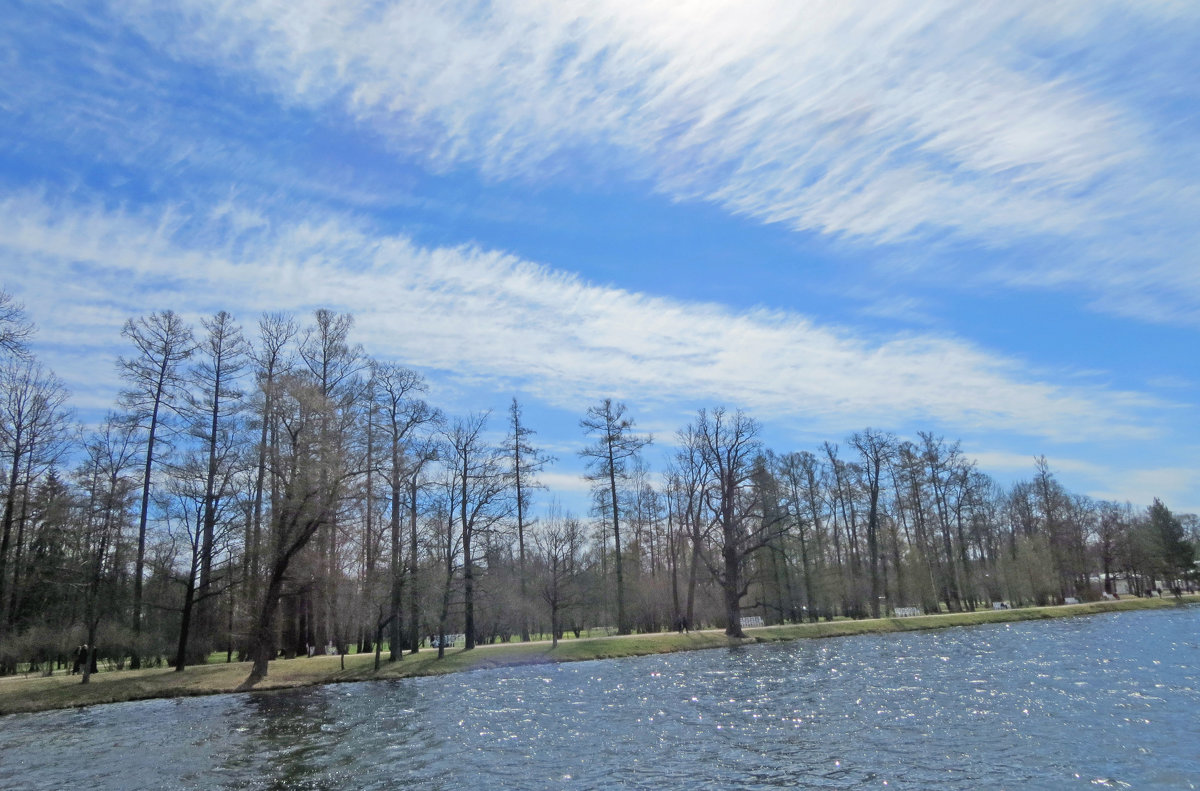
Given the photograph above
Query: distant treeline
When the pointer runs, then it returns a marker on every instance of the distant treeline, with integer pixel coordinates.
(281, 492)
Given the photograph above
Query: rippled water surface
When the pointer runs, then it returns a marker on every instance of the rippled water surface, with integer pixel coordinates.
(1110, 701)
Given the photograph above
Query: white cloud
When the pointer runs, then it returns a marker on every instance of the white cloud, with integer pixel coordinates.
(820, 116)
(561, 483)
(483, 314)
(1175, 486)
(1027, 464)
(880, 122)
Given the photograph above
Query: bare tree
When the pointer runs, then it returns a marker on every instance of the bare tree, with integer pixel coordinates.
(422, 454)
(607, 460)
(557, 543)
(448, 545)
(276, 332)
(798, 476)
(527, 462)
(941, 463)
(108, 480)
(909, 482)
(203, 526)
(1111, 529)
(15, 327)
(33, 432)
(690, 483)
(335, 365)
(309, 471)
(154, 382)
(483, 483)
(396, 389)
(215, 410)
(1065, 533)
(728, 447)
(843, 528)
(876, 449)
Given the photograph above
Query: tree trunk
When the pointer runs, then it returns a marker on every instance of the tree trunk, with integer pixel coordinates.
(468, 567)
(185, 621)
(262, 637)
(10, 501)
(731, 589)
(622, 626)
(135, 661)
(414, 604)
(395, 599)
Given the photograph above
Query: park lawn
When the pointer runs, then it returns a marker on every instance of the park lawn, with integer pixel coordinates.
(38, 693)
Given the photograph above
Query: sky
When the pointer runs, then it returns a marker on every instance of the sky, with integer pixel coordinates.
(973, 219)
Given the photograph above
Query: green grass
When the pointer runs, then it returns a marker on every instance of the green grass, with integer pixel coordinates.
(37, 693)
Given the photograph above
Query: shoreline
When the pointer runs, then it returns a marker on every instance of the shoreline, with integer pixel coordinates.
(28, 694)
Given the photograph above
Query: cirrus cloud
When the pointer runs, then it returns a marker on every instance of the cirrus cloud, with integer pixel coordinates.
(470, 312)
(880, 123)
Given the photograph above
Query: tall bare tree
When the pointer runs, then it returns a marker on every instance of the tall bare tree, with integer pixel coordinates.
(527, 462)
(310, 471)
(34, 427)
(728, 448)
(690, 482)
(397, 391)
(607, 460)
(423, 453)
(109, 481)
(203, 525)
(798, 476)
(271, 360)
(216, 403)
(941, 467)
(875, 449)
(482, 481)
(335, 365)
(154, 382)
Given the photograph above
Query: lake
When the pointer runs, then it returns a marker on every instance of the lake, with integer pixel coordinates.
(1105, 701)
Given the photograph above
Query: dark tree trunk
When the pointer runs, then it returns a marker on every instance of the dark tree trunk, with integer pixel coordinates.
(414, 603)
(185, 622)
(731, 589)
(262, 637)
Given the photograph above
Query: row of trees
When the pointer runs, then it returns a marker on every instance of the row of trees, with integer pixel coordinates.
(285, 491)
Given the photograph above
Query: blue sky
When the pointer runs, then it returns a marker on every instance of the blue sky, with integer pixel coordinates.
(974, 219)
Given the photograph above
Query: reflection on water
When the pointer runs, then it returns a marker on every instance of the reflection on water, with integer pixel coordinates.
(1105, 701)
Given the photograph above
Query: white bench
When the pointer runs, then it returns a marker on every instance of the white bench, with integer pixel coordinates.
(907, 612)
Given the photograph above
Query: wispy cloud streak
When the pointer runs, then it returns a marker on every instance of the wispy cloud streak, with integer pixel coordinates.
(479, 313)
(882, 123)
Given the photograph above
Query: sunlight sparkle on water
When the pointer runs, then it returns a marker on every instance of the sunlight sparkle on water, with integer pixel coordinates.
(636, 730)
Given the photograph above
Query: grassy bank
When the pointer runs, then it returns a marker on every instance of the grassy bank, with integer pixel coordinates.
(35, 693)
